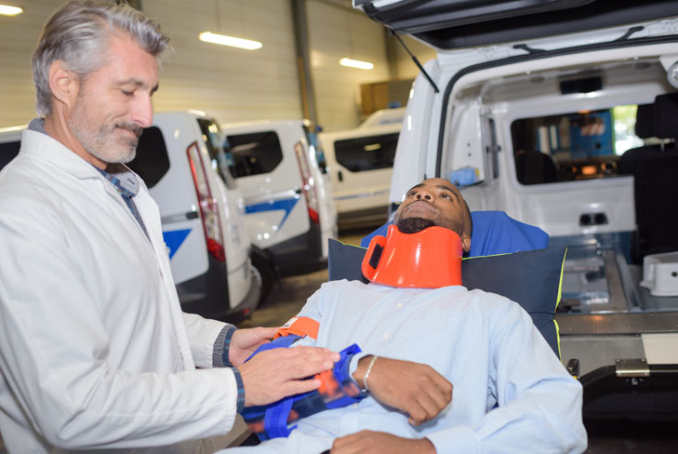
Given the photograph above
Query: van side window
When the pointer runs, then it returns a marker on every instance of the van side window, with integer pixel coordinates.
(366, 153)
(254, 153)
(151, 161)
(573, 146)
(8, 151)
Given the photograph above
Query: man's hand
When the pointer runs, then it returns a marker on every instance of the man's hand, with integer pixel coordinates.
(274, 374)
(380, 442)
(245, 341)
(416, 389)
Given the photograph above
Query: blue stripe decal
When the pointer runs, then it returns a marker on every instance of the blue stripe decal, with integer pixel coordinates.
(174, 239)
(286, 204)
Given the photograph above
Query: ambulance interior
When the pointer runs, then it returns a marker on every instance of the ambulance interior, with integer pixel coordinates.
(588, 153)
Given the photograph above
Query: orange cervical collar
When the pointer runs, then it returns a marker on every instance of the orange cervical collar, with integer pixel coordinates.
(427, 259)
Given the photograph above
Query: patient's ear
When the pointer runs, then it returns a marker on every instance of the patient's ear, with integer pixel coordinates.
(466, 242)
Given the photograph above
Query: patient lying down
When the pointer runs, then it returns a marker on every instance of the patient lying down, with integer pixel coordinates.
(441, 369)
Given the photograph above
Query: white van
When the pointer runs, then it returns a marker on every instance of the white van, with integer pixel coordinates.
(542, 102)
(201, 214)
(288, 203)
(360, 164)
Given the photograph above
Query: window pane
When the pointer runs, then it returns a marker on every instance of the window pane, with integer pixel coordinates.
(255, 153)
(151, 161)
(366, 153)
(573, 146)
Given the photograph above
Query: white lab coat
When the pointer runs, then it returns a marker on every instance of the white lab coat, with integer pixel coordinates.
(95, 352)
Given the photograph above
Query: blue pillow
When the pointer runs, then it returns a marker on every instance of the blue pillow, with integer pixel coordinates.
(532, 279)
(494, 232)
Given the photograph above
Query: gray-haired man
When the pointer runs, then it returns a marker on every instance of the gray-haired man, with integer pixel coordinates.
(95, 352)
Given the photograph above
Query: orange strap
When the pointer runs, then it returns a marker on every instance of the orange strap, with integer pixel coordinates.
(300, 326)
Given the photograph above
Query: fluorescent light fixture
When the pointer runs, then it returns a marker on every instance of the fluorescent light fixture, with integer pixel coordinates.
(13, 128)
(356, 63)
(216, 38)
(7, 10)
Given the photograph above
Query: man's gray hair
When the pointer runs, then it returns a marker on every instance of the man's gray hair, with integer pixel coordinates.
(78, 34)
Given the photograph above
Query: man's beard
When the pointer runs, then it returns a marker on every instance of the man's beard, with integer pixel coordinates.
(414, 225)
(101, 143)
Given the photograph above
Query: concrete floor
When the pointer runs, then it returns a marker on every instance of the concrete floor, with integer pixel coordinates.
(605, 437)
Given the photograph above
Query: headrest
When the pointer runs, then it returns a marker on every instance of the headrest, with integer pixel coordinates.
(531, 279)
(644, 123)
(665, 115)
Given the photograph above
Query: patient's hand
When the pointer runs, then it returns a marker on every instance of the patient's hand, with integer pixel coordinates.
(414, 388)
(375, 442)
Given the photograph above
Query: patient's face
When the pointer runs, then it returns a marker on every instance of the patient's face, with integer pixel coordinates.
(434, 200)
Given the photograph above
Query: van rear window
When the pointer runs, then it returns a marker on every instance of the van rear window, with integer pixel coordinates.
(366, 153)
(8, 151)
(255, 153)
(221, 160)
(151, 161)
(574, 146)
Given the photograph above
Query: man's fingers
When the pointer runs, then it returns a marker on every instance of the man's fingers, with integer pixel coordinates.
(300, 386)
(440, 397)
(425, 408)
(305, 362)
(444, 385)
(267, 333)
(274, 374)
(349, 443)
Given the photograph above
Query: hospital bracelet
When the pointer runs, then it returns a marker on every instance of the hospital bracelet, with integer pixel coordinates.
(369, 369)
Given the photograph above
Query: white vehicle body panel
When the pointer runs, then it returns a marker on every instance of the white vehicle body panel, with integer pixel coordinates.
(175, 194)
(361, 194)
(277, 210)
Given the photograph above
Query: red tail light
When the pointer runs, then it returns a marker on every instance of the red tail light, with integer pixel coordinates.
(308, 185)
(209, 208)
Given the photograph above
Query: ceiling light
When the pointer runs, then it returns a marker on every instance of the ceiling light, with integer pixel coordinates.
(216, 38)
(356, 63)
(10, 10)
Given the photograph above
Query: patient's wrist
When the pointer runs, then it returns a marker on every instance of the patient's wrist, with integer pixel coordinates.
(359, 374)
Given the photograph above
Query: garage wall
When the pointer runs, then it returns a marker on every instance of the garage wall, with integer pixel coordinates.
(231, 84)
(18, 37)
(336, 32)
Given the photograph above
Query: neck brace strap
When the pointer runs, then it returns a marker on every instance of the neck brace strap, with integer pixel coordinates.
(427, 259)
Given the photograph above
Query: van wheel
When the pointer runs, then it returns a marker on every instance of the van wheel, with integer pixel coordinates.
(267, 274)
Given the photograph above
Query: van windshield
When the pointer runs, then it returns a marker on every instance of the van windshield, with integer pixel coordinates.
(574, 146)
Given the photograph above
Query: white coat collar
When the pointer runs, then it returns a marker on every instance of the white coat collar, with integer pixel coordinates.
(42, 146)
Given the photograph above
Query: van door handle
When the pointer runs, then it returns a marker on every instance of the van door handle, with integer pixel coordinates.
(340, 175)
(297, 191)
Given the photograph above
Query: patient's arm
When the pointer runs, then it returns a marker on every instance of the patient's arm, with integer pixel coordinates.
(367, 441)
(416, 389)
